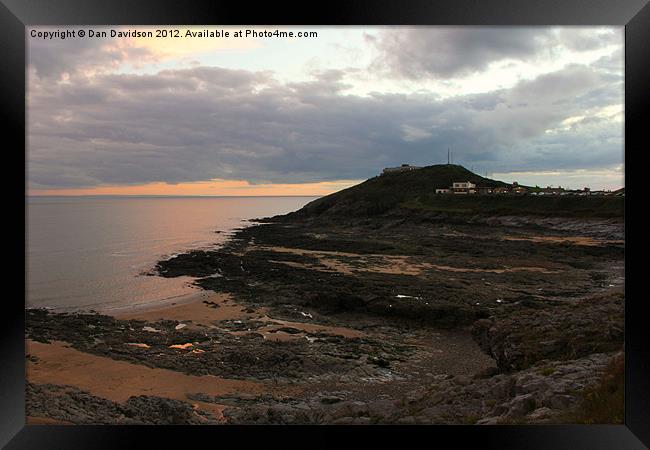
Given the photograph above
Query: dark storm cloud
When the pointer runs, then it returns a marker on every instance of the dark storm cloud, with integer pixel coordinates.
(446, 52)
(204, 123)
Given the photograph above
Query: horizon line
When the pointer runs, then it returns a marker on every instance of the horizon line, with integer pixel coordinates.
(172, 195)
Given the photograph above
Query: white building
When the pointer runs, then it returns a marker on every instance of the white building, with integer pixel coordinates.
(402, 168)
(463, 187)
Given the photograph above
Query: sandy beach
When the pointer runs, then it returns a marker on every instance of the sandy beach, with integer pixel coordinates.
(58, 363)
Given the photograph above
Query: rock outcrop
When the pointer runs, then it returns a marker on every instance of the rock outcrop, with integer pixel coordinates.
(559, 330)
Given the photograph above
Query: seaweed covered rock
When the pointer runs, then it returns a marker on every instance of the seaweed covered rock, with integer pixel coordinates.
(559, 330)
(72, 405)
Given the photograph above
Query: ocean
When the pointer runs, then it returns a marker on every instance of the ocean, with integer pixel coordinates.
(94, 253)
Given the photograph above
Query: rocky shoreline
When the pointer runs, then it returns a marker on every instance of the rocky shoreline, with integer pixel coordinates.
(357, 320)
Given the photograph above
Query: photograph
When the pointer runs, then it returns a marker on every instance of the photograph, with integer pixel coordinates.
(324, 225)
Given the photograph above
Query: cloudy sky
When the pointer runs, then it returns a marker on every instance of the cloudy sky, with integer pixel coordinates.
(264, 116)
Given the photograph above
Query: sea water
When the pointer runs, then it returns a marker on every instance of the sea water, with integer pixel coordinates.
(97, 253)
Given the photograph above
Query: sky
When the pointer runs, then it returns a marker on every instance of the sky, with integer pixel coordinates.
(310, 115)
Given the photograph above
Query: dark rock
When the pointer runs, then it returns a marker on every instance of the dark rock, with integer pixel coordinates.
(559, 331)
(69, 404)
(379, 361)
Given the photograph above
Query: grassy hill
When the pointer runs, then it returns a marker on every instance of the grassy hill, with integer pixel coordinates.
(382, 193)
(414, 191)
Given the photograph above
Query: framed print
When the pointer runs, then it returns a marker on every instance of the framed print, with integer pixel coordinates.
(407, 217)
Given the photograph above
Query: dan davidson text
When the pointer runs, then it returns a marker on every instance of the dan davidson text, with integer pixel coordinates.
(170, 33)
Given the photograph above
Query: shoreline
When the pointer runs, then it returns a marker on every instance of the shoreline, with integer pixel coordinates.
(159, 304)
(198, 293)
(165, 302)
(332, 330)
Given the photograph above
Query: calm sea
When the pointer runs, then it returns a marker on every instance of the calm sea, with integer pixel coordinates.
(88, 253)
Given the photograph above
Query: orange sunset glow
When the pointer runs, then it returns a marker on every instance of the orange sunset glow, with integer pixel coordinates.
(207, 188)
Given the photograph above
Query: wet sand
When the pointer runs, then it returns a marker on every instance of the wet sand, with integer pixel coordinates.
(57, 363)
(330, 261)
(337, 262)
(37, 420)
(198, 312)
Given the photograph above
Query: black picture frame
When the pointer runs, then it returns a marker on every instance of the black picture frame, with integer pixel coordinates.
(15, 15)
